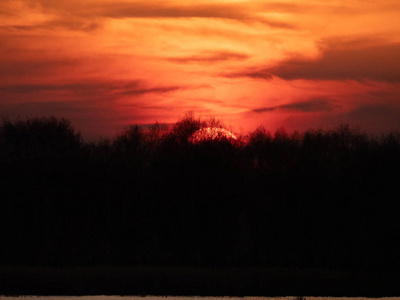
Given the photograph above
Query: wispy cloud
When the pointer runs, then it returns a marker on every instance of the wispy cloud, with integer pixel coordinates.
(237, 11)
(210, 57)
(116, 88)
(38, 67)
(313, 105)
(355, 60)
(73, 25)
(374, 112)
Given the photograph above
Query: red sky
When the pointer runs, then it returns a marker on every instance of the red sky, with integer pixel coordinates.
(105, 64)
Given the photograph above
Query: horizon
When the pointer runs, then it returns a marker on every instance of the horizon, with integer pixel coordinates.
(160, 198)
(209, 129)
(105, 65)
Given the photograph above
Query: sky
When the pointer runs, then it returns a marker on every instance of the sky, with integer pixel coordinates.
(106, 64)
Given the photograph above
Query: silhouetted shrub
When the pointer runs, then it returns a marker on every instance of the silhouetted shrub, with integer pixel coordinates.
(185, 127)
(38, 138)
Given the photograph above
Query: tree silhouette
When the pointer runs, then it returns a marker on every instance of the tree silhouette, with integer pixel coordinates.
(319, 198)
(38, 137)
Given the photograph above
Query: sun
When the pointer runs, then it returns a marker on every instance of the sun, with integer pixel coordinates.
(211, 134)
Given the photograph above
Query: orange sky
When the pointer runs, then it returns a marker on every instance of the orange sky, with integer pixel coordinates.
(104, 64)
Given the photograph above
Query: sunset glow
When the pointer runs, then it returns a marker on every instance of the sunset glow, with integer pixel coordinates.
(211, 134)
(107, 64)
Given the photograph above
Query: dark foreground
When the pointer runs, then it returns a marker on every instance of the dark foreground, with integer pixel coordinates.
(261, 215)
(196, 281)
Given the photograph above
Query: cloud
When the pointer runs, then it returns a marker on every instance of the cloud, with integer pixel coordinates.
(209, 57)
(375, 112)
(322, 8)
(116, 88)
(238, 12)
(160, 10)
(244, 12)
(379, 63)
(264, 109)
(73, 25)
(250, 73)
(373, 118)
(339, 61)
(162, 90)
(313, 105)
(18, 68)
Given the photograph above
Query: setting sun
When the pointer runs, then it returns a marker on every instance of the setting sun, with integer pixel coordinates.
(211, 134)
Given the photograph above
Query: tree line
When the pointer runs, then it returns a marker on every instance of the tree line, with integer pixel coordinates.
(318, 198)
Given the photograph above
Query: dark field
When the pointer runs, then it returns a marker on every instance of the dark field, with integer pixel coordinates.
(189, 281)
(219, 217)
